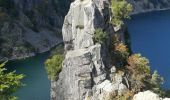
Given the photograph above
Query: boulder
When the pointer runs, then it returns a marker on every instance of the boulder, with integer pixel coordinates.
(148, 95)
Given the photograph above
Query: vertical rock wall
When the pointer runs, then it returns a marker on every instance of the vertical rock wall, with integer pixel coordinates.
(86, 68)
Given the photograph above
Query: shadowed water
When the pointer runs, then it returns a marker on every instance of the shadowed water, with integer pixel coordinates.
(150, 36)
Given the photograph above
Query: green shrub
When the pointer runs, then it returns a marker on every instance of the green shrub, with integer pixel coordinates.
(126, 95)
(9, 7)
(80, 26)
(121, 53)
(156, 80)
(9, 83)
(139, 70)
(54, 66)
(58, 50)
(100, 36)
(139, 64)
(120, 11)
(155, 83)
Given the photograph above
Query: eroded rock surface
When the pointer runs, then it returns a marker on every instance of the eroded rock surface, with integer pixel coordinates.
(87, 71)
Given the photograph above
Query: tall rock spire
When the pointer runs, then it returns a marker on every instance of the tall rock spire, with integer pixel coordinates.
(86, 66)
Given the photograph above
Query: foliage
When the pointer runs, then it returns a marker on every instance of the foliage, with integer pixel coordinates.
(156, 80)
(11, 44)
(9, 47)
(9, 83)
(54, 66)
(8, 7)
(121, 50)
(3, 17)
(120, 11)
(58, 50)
(61, 6)
(138, 64)
(80, 26)
(100, 36)
(121, 54)
(139, 70)
(155, 83)
(55, 4)
(141, 77)
(126, 95)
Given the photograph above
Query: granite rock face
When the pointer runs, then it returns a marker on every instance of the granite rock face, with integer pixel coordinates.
(148, 95)
(87, 71)
(82, 19)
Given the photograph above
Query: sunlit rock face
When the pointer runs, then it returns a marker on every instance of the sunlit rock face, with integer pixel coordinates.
(87, 72)
(82, 19)
(148, 95)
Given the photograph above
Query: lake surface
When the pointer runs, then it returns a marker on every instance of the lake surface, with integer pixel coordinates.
(37, 85)
(150, 36)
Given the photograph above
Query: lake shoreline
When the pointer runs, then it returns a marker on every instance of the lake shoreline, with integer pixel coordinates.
(31, 54)
(149, 11)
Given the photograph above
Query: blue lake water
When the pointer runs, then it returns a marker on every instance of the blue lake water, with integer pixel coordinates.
(150, 36)
(37, 85)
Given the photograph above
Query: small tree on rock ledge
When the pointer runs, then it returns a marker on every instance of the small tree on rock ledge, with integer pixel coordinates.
(100, 36)
(54, 66)
(120, 11)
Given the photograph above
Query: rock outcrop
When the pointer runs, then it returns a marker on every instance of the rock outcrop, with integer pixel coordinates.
(87, 72)
(148, 95)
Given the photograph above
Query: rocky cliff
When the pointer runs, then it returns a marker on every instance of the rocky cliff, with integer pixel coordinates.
(149, 5)
(87, 72)
(30, 26)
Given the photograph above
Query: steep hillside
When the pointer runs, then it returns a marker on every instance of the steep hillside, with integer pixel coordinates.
(30, 26)
(149, 5)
